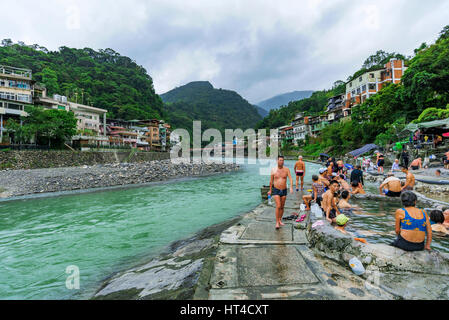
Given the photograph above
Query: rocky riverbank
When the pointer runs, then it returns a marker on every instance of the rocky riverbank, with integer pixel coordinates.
(388, 270)
(15, 183)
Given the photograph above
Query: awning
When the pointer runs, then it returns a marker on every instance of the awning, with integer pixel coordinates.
(365, 149)
(324, 155)
(412, 127)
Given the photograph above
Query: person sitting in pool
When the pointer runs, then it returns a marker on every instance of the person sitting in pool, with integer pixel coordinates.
(395, 166)
(342, 220)
(330, 170)
(438, 173)
(437, 220)
(344, 185)
(446, 218)
(416, 164)
(412, 225)
(329, 202)
(357, 188)
(391, 187)
(340, 166)
(317, 193)
(343, 203)
(323, 178)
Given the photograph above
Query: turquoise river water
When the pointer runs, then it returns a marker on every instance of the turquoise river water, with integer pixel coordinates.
(107, 231)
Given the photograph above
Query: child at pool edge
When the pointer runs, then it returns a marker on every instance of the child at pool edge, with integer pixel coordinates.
(342, 221)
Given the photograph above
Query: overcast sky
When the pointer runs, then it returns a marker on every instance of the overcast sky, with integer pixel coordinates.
(258, 48)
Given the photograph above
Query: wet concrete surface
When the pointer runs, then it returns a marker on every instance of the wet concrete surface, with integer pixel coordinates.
(256, 261)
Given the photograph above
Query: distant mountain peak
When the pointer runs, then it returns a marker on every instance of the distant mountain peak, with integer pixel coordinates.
(283, 99)
(199, 85)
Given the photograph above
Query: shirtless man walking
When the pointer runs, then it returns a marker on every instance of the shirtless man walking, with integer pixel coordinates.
(300, 169)
(409, 180)
(278, 188)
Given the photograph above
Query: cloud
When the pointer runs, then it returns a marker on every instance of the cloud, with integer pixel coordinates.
(258, 48)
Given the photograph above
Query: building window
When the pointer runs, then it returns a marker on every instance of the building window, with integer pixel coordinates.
(372, 86)
(371, 75)
(364, 87)
(358, 90)
(360, 79)
(353, 92)
(350, 84)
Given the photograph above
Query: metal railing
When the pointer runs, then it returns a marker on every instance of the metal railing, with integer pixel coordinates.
(25, 73)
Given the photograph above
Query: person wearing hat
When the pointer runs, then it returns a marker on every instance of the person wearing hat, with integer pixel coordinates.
(342, 221)
(323, 179)
(391, 187)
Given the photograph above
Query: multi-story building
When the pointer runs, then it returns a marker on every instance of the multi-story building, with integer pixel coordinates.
(300, 128)
(153, 137)
(16, 92)
(90, 120)
(317, 124)
(286, 134)
(369, 83)
(336, 109)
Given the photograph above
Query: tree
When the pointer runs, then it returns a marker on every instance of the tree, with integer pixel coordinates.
(444, 34)
(52, 127)
(107, 79)
(431, 114)
(422, 47)
(50, 79)
(7, 42)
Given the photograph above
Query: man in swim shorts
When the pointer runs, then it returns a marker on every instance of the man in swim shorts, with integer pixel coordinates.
(300, 169)
(278, 188)
(416, 164)
(409, 180)
(391, 187)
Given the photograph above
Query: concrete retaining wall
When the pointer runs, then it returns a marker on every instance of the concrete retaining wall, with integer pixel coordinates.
(34, 159)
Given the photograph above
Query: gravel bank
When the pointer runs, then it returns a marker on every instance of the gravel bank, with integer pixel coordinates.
(25, 182)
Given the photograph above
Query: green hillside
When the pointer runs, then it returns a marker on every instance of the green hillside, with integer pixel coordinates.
(423, 95)
(216, 108)
(104, 78)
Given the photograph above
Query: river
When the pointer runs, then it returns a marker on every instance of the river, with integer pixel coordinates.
(104, 232)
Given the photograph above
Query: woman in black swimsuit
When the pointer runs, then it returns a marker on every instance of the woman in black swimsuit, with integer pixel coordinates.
(380, 163)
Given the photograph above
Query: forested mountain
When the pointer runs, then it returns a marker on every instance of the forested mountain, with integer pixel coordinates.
(284, 99)
(216, 108)
(263, 113)
(104, 78)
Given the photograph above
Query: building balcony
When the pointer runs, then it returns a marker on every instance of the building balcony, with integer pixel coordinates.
(15, 73)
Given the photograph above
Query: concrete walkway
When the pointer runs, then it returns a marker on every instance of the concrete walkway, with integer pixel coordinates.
(256, 261)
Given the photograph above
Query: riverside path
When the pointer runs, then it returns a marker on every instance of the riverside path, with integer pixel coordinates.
(255, 261)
